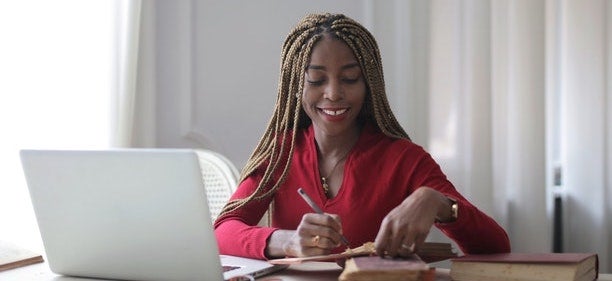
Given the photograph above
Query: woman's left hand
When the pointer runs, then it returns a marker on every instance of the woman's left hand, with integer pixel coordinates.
(406, 227)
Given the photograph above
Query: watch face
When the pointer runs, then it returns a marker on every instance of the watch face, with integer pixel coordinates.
(454, 212)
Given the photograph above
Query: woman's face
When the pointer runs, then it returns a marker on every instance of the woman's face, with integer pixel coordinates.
(334, 87)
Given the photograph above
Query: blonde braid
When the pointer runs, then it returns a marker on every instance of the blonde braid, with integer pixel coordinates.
(275, 148)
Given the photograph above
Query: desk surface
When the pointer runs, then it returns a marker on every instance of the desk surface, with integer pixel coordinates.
(305, 271)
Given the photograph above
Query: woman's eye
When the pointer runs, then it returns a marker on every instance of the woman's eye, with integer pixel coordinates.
(351, 80)
(315, 82)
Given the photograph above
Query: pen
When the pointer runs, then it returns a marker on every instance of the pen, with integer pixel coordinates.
(318, 210)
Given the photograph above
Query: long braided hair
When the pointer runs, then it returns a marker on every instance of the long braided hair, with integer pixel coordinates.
(275, 148)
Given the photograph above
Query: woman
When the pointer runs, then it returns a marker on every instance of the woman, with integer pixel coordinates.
(334, 135)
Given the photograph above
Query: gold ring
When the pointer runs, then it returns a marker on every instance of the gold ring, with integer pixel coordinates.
(409, 248)
(316, 239)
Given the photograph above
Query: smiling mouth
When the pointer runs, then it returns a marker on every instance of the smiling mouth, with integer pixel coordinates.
(334, 112)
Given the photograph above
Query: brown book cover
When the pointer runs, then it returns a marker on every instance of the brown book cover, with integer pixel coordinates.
(526, 267)
(429, 252)
(13, 256)
(386, 269)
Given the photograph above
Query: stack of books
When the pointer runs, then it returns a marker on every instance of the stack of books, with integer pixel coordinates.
(368, 268)
(526, 267)
(362, 263)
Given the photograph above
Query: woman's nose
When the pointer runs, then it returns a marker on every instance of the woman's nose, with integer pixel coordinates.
(333, 91)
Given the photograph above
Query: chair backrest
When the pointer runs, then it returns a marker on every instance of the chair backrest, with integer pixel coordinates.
(220, 178)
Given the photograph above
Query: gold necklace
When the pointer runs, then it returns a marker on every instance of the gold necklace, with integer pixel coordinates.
(324, 183)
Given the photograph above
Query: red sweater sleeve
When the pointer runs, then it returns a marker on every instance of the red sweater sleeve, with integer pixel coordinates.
(238, 233)
(474, 231)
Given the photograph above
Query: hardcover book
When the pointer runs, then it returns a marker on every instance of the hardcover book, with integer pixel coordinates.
(526, 267)
(13, 256)
(386, 269)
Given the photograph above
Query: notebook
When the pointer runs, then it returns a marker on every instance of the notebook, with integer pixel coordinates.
(133, 214)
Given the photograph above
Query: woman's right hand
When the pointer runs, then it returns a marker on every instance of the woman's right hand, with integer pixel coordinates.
(317, 234)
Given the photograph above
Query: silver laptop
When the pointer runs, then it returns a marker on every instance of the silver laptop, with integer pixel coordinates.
(134, 214)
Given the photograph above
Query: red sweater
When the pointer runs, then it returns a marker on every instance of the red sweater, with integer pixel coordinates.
(379, 173)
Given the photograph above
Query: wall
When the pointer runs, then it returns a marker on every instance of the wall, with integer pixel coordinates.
(217, 86)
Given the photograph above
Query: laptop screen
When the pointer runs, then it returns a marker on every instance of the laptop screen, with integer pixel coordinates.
(135, 214)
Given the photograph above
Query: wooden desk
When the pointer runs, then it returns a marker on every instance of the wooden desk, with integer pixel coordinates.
(307, 271)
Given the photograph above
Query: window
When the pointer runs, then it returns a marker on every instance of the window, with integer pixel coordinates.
(57, 64)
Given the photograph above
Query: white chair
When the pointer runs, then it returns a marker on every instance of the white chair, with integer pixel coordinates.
(220, 178)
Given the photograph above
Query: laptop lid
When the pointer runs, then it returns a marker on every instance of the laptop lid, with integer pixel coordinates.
(135, 214)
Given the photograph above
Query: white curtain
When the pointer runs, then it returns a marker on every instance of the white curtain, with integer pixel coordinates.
(134, 103)
(583, 58)
(55, 63)
(515, 89)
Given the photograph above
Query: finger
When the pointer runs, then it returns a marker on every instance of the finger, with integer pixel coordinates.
(327, 220)
(315, 251)
(334, 230)
(327, 237)
(419, 241)
(323, 242)
(406, 249)
(393, 246)
(407, 244)
(336, 223)
(312, 218)
(315, 240)
(313, 245)
(311, 225)
(326, 225)
(398, 236)
(380, 243)
(307, 247)
(322, 220)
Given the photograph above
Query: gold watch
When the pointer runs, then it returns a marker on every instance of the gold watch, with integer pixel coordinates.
(454, 212)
